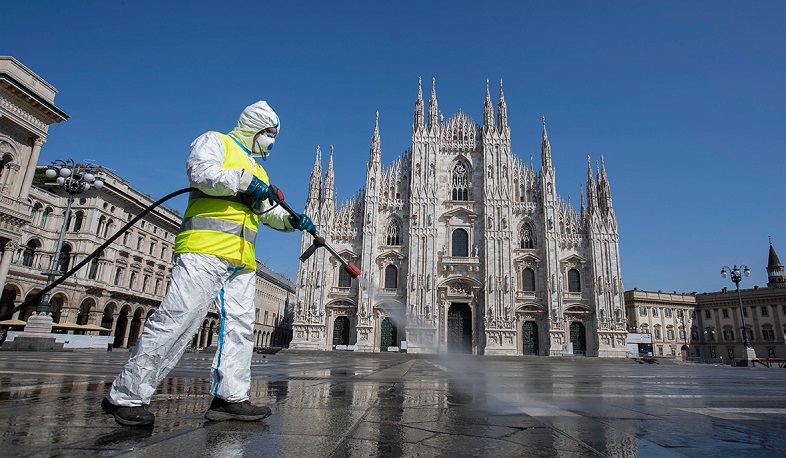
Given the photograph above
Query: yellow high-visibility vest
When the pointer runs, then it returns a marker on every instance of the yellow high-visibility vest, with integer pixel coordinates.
(223, 226)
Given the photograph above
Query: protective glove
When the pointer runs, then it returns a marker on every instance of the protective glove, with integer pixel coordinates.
(304, 224)
(258, 190)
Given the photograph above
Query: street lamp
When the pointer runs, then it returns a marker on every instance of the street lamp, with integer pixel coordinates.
(736, 277)
(74, 179)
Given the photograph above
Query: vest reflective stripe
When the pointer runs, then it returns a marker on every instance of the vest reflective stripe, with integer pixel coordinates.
(217, 225)
(223, 226)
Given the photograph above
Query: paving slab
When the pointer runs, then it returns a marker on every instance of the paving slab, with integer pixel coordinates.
(343, 404)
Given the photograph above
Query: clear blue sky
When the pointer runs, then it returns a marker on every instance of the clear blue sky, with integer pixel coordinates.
(685, 100)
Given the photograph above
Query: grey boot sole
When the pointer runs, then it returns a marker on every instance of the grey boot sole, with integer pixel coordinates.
(213, 415)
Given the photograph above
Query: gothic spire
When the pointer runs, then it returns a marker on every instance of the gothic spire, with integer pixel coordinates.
(488, 109)
(433, 109)
(419, 115)
(315, 184)
(545, 147)
(775, 273)
(330, 178)
(375, 156)
(603, 184)
(502, 110)
(592, 199)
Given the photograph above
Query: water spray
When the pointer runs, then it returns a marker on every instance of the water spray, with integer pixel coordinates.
(319, 241)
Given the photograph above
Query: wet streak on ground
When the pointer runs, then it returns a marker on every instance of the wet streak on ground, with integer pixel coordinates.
(343, 404)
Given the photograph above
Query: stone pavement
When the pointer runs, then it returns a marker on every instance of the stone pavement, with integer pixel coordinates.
(338, 404)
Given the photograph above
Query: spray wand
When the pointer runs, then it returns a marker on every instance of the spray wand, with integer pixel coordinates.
(319, 241)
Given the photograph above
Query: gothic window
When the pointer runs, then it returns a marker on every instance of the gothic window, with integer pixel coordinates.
(344, 280)
(65, 257)
(29, 253)
(391, 277)
(460, 243)
(78, 218)
(392, 232)
(44, 217)
(574, 281)
(527, 240)
(528, 280)
(460, 189)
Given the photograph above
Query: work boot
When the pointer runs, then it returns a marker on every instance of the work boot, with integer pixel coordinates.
(221, 410)
(129, 416)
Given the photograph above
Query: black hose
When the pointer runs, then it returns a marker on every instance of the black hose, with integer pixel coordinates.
(95, 253)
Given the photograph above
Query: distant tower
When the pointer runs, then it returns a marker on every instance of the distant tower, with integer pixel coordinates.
(775, 275)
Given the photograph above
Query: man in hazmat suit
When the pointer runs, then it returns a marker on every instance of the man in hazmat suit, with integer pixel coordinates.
(214, 263)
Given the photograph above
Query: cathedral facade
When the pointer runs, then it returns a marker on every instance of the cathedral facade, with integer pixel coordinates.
(464, 248)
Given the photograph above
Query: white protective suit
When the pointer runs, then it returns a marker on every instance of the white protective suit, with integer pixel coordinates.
(198, 280)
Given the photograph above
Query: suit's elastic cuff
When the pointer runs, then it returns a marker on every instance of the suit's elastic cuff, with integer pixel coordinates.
(245, 180)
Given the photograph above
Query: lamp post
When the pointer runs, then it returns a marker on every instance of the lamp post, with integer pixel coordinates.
(74, 179)
(736, 277)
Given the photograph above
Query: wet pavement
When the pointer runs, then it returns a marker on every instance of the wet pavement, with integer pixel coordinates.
(339, 404)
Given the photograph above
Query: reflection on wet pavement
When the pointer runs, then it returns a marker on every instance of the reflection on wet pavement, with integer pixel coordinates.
(329, 404)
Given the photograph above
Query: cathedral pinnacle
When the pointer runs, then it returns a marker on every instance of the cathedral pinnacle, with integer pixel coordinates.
(502, 109)
(375, 155)
(419, 112)
(315, 184)
(488, 110)
(329, 178)
(433, 109)
(545, 147)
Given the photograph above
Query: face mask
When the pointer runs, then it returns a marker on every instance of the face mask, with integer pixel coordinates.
(263, 143)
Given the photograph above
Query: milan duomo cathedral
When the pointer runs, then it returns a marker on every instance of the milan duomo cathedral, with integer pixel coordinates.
(464, 248)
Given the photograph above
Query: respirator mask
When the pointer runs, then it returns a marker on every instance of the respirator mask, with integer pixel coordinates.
(263, 143)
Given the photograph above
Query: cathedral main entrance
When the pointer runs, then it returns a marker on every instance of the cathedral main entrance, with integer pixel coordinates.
(578, 338)
(388, 335)
(530, 343)
(459, 328)
(341, 331)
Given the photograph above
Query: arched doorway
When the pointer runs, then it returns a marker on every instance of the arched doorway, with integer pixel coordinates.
(136, 325)
(108, 319)
(388, 334)
(120, 328)
(530, 338)
(459, 328)
(341, 331)
(578, 338)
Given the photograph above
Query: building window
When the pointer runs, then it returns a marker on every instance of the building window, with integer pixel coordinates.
(131, 280)
(265, 322)
(344, 280)
(44, 217)
(745, 312)
(151, 248)
(93, 272)
(125, 239)
(460, 243)
(682, 334)
(145, 279)
(654, 311)
(460, 189)
(392, 232)
(118, 274)
(29, 253)
(574, 281)
(764, 311)
(79, 217)
(528, 280)
(670, 334)
(657, 332)
(65, 258)
(707, 314)
(34, 212)
(667, 313)
(643, 311)
(728, 334)
(527, 240)
(725, 313)
(391, 277)
(138, 243)
(158, 286)
(101, 225)
(768, 334)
